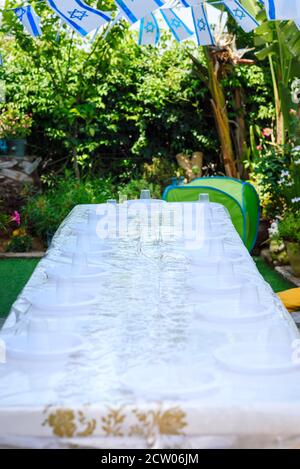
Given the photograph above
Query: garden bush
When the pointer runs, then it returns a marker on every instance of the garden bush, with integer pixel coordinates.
(43, 213)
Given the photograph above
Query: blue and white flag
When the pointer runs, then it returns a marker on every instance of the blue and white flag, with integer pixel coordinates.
(185, 3)
(149, 31)
(134, 10)
(283, 9)
(203, 31)
(178, 28)
(79, 16)
(242, 16)
(29, 19)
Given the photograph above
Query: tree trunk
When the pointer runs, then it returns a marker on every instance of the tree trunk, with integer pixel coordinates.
(221, 117)
(74, 150)
(240, 131)
(280, 126)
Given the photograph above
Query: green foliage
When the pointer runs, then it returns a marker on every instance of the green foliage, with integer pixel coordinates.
(133, 189)
(289, 227)
(110, 106)
(4, 222)
(44, 213)
(20, 244)
(266, 172)
(13, 122)
(279, 41)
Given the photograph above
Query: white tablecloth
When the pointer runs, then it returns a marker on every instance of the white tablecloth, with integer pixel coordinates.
(143, 317)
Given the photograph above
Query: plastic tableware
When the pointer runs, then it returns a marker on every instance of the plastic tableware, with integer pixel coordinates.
(79, 273)
(145, 194)
(209, 249)
(234, 312)
(226, 275)
(267, 369)
(243, 287)
(170, 381)
(232, 264)
(42, 347)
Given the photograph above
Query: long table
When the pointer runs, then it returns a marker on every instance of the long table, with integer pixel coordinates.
(142, 335)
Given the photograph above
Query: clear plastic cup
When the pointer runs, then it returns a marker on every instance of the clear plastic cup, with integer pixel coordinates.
(145, 194)
(204, 198)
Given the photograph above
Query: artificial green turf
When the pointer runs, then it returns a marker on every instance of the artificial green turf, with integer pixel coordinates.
(277, 282)
(14, 274)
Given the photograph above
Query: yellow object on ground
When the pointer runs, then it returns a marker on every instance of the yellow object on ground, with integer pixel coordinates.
(291, 299)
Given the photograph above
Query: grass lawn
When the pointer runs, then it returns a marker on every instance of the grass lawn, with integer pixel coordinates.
(277, 282)
(14, 273)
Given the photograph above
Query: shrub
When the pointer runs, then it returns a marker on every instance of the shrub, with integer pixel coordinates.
(20, 244)
(43, 213)
(133, 189)
(289, 227)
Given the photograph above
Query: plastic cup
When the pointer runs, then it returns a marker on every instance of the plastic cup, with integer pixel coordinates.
(204, 198)
(79, 262)
(64, 290)
(145, 194)
(82, 241)
(37, 334)
(92, 217)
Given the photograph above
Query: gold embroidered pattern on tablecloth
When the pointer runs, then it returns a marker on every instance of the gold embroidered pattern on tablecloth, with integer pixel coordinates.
(112, 422)
(66, 423)
(150, 423)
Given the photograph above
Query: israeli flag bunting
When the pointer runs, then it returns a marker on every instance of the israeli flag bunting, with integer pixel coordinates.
(134, 10)
(149, 31)
(29, 19)
(178, 28)
(242, 16)
(79, 16)
(185, 3)
(203, 32)
(283, 9)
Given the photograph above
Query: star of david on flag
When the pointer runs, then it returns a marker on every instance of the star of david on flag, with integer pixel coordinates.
(203, 31)
(79, 16)
(178, 28)
(29, 19)
(149, 30)
(134, 10)
(242, 16)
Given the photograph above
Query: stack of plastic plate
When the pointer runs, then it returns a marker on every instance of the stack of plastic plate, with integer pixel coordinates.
(230, 313)
(85, 276)
(36, 345)
(170, 381)
(268, 371)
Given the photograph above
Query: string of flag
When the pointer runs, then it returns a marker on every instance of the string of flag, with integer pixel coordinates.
(84, 19)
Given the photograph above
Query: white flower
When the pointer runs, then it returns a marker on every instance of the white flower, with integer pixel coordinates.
(284, 174)
(295, 200)
(296, 97)
(273, 230)
(297, 162)
(296, 84)
(296, 149)
(296, 91)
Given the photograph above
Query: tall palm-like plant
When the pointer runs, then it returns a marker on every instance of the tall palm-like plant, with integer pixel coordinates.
(220, 61)
(279, 41)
